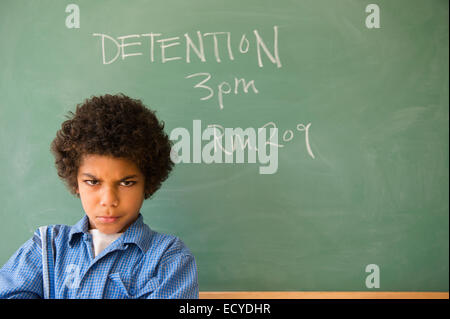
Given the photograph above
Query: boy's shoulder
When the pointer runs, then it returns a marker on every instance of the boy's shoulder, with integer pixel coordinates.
(153, 244)
(167, 245)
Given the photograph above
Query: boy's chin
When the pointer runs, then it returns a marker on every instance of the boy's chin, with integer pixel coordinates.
(107, 228)
(110, 229)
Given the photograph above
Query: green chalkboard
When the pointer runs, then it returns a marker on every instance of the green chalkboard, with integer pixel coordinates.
(358, 174)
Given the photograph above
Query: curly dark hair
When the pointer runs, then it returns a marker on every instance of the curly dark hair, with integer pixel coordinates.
(118, 126)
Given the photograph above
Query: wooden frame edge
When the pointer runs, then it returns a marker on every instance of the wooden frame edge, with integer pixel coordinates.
(321, 295)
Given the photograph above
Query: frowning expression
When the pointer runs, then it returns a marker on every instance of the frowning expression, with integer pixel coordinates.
(111, 191)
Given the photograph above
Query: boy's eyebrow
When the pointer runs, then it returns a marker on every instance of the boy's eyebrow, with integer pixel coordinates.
(126, 177)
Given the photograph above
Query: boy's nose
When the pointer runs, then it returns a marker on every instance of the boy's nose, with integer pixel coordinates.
(109, 198)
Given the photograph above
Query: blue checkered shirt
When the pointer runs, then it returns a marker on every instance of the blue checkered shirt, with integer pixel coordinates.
(141, 263)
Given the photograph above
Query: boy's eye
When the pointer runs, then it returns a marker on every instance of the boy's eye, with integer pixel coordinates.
(128, 183)
(91, 182)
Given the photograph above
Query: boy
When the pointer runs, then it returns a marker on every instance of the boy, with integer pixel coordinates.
(113, 154)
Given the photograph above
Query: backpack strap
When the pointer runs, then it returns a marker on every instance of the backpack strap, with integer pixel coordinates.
(47, 261)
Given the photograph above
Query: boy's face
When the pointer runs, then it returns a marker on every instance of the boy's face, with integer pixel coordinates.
(111, 191)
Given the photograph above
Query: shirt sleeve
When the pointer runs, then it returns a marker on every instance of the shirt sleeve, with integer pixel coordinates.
(178, 279)
(21, 276)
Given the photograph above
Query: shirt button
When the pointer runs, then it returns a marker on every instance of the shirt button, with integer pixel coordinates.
(132, 291)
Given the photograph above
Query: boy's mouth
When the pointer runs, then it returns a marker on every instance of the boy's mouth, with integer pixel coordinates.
(106, 219)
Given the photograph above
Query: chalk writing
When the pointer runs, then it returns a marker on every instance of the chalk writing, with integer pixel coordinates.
(223, 88)
(133, 45)
(228, 145)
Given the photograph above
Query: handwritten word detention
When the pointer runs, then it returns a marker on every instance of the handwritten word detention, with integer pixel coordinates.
(201, 46)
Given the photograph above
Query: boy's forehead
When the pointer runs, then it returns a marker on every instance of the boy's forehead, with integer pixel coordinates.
(109, 165)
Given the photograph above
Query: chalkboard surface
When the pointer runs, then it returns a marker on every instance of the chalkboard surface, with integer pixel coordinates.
(349, 193)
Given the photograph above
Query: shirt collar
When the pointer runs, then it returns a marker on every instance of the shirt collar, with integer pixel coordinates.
(137, 233)
(78, 230)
